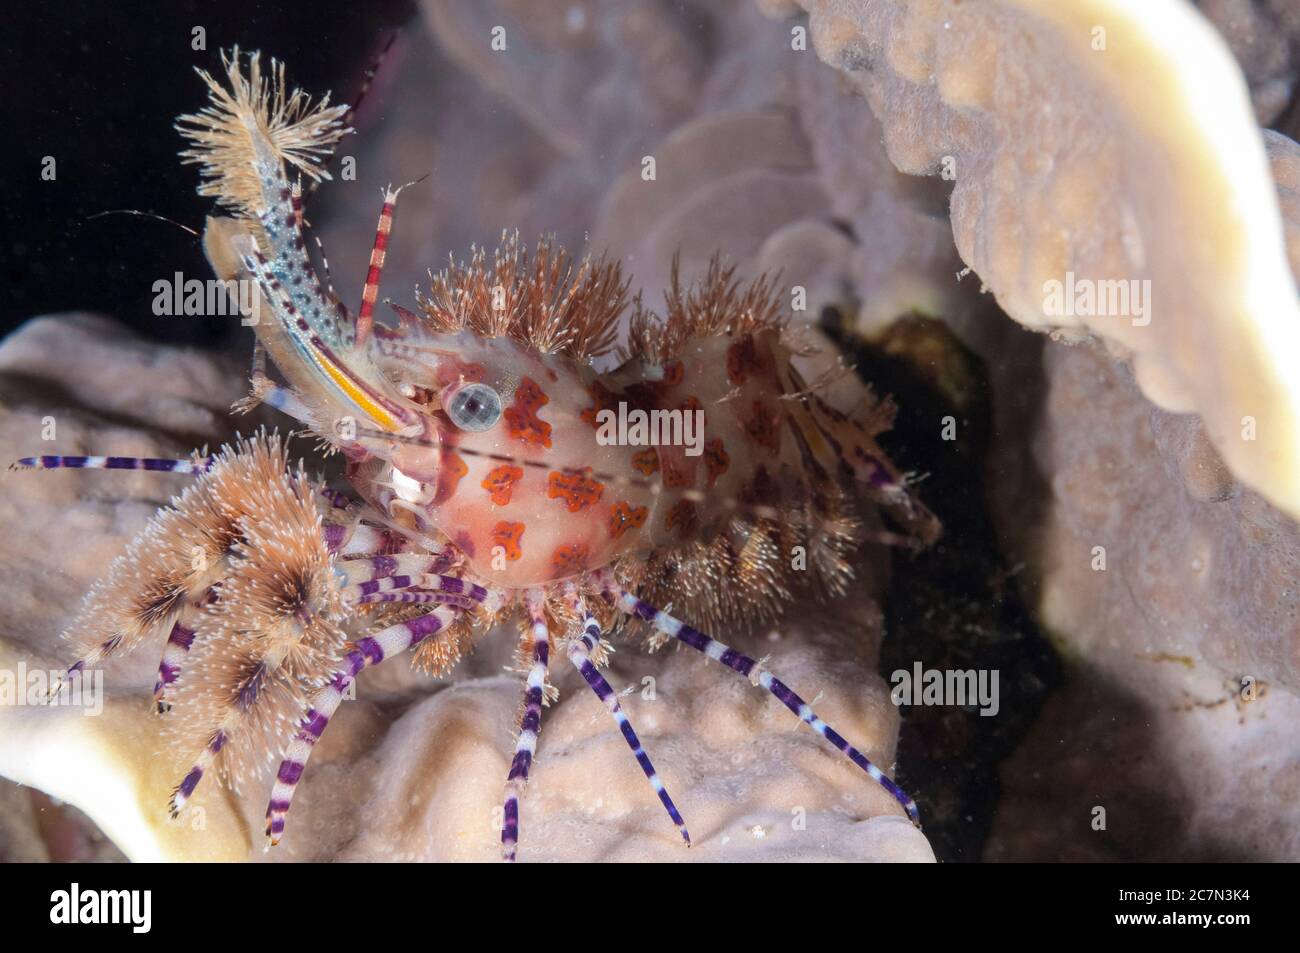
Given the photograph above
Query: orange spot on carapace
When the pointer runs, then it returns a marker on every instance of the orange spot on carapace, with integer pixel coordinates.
(604, 399)
(743, 360)
(500, 483)
(570, 559)
(452, 370)
(451, 471)
(763, 427)
(716, 459)
(521, 416)
(646, 461)
(508, 536)
(575, 487)
(674, 374)
(624, 516)
(677, 473)
(682, 517)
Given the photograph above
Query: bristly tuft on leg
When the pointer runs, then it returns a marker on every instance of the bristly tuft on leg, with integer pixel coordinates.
(182, 558)
(271, 639)
(257, 122)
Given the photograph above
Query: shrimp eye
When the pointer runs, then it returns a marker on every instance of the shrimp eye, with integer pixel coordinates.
(472, 407)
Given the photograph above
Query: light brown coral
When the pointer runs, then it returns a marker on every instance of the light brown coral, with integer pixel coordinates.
(1114, 142)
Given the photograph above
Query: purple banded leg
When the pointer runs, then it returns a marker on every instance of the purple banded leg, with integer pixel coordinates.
(183, 791)
(872, 471)
(174, 654)
(746, 666)
(580, 655)
(367, 651)
(529, 727)
(374, 590)
(193, 465)
(381, 566)
(92, 657)
(334, 533)
(337, 499)
(415, 598)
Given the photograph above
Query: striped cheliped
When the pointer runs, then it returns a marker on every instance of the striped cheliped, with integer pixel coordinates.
(365, 317)
(580, 650)
(744, 665)
(368, 651)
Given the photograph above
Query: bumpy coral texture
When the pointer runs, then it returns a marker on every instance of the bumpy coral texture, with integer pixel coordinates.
(1111, 142)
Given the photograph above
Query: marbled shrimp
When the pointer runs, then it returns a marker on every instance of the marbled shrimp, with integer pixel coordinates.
(478, 489)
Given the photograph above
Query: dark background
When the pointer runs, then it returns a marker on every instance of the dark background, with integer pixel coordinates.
(97, 85)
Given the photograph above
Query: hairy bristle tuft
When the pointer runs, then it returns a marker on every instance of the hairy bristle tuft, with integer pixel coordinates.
(438, 655)
(257, 121)
(543, 300)
(274, 635)
(715, 305)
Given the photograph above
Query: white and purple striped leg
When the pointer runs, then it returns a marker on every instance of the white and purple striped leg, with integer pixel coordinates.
(580, 650)
(193, 465)
(746, 666)
(183, 791)
(415, 597)
(389, 588)
(529, 726)
(367, 651)
(174, 654)
(337, 499)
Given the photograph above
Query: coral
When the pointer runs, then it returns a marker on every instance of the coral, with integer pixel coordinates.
(1114, 142)
(1184, 649)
